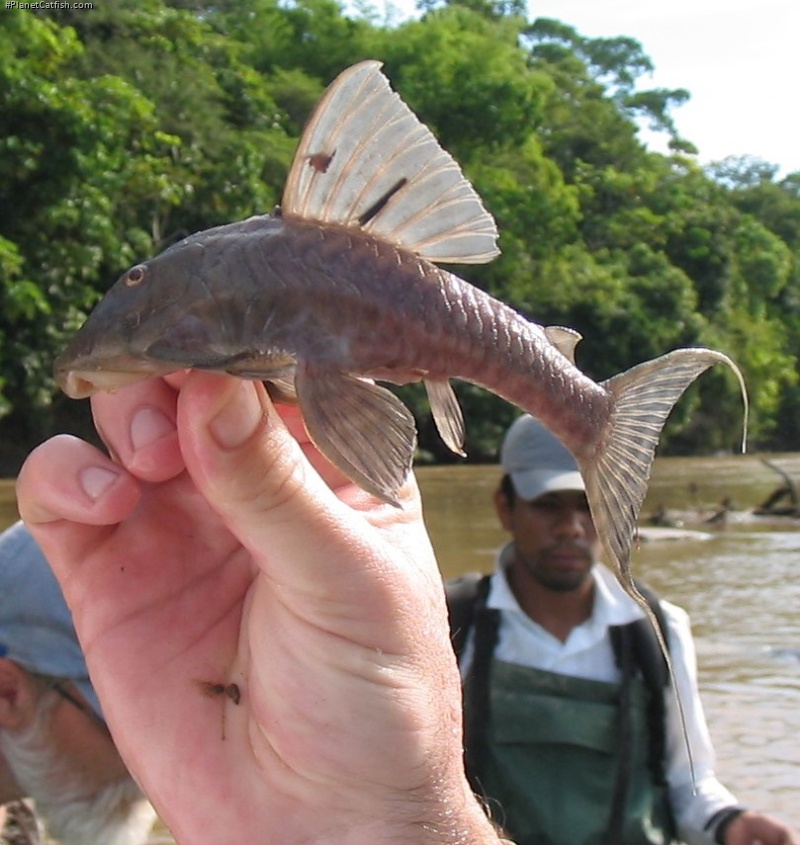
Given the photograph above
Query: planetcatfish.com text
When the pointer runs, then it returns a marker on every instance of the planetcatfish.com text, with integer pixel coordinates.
(46, 4)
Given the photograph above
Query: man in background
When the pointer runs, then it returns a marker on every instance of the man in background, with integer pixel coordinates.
(573, 734)
(55, 747)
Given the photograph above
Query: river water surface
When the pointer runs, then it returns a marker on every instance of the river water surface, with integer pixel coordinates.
(739, 579)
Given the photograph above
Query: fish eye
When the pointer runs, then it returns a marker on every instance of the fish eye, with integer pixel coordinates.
(135, 276)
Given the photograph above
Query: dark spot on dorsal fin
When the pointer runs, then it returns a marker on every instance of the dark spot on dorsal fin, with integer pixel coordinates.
(379, 205)
(321, 161)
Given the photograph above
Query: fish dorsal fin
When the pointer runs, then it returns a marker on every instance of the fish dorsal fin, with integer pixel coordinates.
(564, 339)
(366, 161)
(446, 414)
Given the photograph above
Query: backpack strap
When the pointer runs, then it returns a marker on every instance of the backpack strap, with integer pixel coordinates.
(466, 601)
(622, 643)
(647, 651)
(464, 594)
(644, 655)
(636, 650)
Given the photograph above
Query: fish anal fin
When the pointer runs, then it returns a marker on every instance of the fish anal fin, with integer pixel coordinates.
(446, 414)
(365, 160)
(362, 429)
(564, 339)
(617, 473)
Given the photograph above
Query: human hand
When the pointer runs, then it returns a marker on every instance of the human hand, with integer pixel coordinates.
(755, 829)
(268, 641)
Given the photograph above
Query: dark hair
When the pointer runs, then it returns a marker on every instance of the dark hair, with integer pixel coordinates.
(507, 489)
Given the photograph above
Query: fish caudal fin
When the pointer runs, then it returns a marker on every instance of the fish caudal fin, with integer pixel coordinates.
(366, 161)
(616, 475)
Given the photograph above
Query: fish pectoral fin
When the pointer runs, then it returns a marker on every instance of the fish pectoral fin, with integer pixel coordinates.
(616, 474)
(362, 429)
(281, 389)
(245, 364)
(564, 339)
(446, 414)
(186, 340)
(365, 160)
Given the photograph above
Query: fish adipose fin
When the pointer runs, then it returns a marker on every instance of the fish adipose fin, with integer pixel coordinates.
(616, 475)
(565, 340)
(366, 161)
(446, 414)
(362, 429)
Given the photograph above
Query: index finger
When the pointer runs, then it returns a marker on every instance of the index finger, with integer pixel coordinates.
(138, 426)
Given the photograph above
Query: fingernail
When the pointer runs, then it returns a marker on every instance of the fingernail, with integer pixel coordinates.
(239, 418)
(149, 425)
(96, 480)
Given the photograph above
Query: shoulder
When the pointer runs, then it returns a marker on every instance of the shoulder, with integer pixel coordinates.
(464, 594)
(674, 613)
(676, 617)
(19, 551)
(679, 626)
(26, 579)
(620, 608)
(466, 584)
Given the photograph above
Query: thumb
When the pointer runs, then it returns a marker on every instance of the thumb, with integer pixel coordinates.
(237, 444)
(273, 492)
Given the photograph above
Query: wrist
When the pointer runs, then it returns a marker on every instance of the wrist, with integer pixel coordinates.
(464, 822)
(444, 814)
(721, 821)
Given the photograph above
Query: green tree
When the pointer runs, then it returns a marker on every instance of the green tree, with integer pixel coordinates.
(63, 216)
(125, 129)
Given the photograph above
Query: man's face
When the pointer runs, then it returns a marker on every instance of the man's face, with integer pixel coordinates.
(554, 537)
(67, 762)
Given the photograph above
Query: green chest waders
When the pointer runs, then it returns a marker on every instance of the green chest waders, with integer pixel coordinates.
(552, 753)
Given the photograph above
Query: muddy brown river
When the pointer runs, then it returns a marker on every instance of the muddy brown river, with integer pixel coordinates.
(739, 578)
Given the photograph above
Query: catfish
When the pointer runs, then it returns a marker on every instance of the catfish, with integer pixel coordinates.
(340, 288)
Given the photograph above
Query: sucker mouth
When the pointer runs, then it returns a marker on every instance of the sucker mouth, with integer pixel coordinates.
(76, 387)
(80, 384)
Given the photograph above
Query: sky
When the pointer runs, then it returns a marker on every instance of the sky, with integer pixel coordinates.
(739, 60)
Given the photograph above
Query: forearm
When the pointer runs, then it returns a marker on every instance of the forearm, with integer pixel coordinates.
(696, 796)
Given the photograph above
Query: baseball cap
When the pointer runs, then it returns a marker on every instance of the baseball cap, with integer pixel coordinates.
(36, 629)
(537, 461)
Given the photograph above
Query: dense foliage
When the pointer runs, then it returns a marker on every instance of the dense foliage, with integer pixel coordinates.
(126, 127)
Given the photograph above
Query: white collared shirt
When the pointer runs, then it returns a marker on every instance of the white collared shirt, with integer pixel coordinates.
(587, 653)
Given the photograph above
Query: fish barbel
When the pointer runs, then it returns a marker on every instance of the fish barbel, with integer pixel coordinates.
(340, 284)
